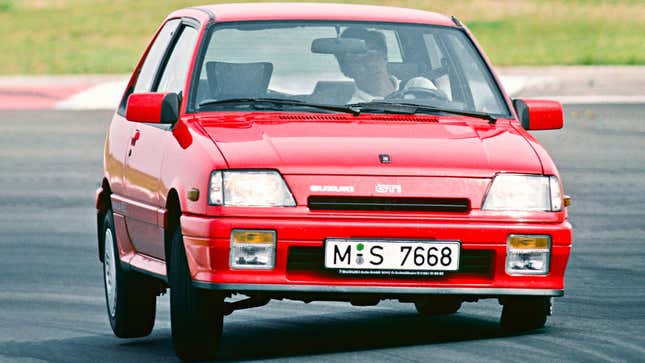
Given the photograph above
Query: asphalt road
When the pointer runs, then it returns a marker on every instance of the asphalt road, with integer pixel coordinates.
(51, 295)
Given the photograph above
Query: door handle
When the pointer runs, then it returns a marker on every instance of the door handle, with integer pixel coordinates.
(135, 136)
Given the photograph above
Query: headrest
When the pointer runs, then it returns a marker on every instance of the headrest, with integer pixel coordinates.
(333, 92)
(234, 80)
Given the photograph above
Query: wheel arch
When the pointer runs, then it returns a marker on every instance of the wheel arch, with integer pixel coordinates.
(173, 214)
(103, 204)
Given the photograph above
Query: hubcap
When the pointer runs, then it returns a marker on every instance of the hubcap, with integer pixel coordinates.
(109, 272)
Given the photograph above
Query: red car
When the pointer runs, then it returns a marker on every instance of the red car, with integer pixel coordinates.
(324, 152)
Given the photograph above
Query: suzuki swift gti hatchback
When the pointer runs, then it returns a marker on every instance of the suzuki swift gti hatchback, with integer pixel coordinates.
(324, 152)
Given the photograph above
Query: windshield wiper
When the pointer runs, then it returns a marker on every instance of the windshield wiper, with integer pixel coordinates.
(412, 108)
(279, 101)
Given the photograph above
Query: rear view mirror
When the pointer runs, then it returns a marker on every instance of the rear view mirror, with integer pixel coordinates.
(153, 107)
(338, 45)
(539, 114)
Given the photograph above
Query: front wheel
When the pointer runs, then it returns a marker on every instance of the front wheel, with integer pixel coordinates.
(525, 313)
(131, 301)
(196, 315)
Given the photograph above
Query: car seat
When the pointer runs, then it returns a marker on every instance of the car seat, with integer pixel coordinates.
(333, 92)
(235, 80)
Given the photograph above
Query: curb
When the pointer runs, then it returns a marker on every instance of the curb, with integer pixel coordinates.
(103, 96)
(566, 84)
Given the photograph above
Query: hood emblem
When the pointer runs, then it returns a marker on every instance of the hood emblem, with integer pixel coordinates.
(385, 158)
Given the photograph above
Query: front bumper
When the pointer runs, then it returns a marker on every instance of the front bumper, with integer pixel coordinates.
(372, 290)
(207, 241)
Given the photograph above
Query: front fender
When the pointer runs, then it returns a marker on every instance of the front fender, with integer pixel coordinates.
(187, 166)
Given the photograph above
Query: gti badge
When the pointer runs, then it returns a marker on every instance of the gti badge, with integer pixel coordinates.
(385, 158)
(389, 188)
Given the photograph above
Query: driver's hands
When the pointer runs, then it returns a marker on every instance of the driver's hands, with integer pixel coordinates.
(424, 83)
(420, 82)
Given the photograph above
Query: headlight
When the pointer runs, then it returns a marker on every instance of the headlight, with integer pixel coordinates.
(249, 188)
(519, 192)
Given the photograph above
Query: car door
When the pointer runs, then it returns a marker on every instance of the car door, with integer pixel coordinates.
(126, 204)
(144, 218)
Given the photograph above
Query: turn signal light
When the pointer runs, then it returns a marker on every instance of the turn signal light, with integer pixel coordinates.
(567, 200)
(252, 249)
(241, 236)
(528, 254)
(528, 242)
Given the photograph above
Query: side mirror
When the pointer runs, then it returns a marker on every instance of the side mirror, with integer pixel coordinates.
(539, 114)
(152, 107)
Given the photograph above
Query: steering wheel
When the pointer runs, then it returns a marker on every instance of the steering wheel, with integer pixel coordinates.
(415, 93)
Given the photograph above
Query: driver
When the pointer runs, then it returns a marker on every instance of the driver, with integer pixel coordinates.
(369, 69)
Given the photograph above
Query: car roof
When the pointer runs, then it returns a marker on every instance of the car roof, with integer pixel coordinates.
(319, 11)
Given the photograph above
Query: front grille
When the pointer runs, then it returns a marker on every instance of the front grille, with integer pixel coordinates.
(323, 202)
(311, 259)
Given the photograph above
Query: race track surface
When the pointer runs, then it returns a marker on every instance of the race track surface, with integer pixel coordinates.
(52, 305)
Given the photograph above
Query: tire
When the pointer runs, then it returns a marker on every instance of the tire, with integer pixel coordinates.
(523, 314)
(196, 315)
(131, 302)
(438, 305)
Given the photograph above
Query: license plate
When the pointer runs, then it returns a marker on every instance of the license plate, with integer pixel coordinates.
(392, 255)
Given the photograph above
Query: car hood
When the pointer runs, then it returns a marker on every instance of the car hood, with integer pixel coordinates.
(451, 146)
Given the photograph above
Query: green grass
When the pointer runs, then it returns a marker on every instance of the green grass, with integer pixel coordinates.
(108, 36)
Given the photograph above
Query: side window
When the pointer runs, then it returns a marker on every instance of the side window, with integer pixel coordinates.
(434, 53)
(480, 81)
(436, 56)
(176, 70)
(393, 48)
(153, 59)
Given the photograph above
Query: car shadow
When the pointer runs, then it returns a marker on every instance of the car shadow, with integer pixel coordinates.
(350, 332)
(286, 337)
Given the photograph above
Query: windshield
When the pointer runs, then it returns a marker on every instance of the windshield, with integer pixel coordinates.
(336, 63)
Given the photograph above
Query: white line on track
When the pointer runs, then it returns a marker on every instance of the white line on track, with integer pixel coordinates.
(106, 95)
(51, 297)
